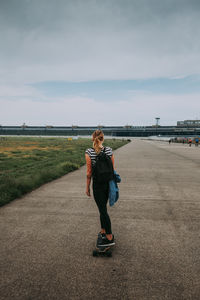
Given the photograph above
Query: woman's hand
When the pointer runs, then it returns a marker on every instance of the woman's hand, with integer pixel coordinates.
(88, 191)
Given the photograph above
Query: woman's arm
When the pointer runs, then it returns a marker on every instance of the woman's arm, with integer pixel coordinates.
(89, 174)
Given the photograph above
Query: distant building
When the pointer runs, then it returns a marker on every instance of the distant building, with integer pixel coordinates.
(189, 123)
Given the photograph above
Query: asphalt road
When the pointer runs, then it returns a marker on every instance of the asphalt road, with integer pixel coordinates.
(47, 237)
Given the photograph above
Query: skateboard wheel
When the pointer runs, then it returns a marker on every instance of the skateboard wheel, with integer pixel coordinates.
(109, 254)
(95, 253)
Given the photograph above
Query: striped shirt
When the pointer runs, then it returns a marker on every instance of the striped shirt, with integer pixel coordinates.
(91, 158)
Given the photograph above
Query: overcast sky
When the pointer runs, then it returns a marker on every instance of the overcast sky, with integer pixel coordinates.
(90, 62)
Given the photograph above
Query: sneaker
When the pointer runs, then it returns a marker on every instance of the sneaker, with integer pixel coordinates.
(101, 235)
(106, 243)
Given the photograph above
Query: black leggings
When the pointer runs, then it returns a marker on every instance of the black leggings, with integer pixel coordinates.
(100, 192)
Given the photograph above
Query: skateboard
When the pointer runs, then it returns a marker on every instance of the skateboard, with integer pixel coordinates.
(102, 251)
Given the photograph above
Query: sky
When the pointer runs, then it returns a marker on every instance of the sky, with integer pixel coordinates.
(99, 62)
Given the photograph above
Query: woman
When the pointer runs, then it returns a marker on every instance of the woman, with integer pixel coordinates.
(100, 190)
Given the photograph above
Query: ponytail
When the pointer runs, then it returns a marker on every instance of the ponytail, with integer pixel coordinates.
(97, 137)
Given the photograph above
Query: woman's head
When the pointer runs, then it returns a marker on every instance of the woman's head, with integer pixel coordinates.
(98, 138)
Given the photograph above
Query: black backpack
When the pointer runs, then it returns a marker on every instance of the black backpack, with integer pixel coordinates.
(103, 169)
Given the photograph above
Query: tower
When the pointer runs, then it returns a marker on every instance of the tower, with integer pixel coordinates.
(157, 121)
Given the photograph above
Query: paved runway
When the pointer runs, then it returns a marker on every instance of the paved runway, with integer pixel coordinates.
(47, 237)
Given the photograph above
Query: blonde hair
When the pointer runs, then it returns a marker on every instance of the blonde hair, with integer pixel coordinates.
(97, 138)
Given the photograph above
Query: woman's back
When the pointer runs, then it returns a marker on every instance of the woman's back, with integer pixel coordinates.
(92, 153)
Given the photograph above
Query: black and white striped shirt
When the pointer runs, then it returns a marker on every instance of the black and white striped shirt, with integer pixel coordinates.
(92, 154)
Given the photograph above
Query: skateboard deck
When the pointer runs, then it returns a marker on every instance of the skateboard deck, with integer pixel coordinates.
(102, 250)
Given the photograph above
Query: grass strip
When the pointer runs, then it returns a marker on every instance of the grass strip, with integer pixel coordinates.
(27, 163)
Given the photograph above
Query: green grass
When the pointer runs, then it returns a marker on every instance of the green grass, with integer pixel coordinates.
(27, 163)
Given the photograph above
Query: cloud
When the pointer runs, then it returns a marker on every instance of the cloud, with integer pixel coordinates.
(94, 40)
(141, 109)
(88, 41)
(18, 91)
